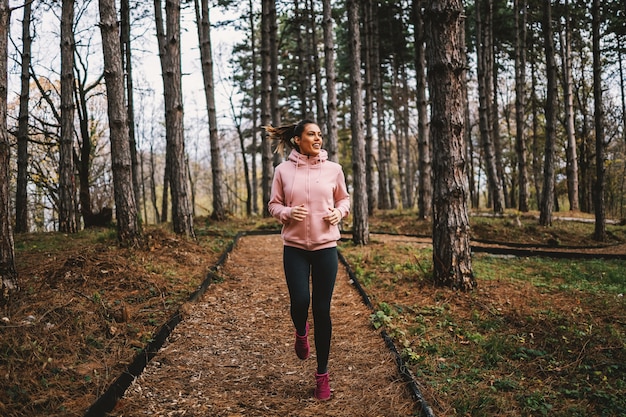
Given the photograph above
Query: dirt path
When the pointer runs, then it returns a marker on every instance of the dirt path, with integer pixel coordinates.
(233, 355)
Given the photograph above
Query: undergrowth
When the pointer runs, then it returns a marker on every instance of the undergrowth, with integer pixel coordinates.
(537, 337)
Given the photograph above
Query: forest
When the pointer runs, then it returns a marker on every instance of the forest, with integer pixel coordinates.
(543, 124)
(544, 114)
(545, 105)
(131, 140)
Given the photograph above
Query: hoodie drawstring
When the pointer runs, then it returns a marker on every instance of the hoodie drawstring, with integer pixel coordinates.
(293, 185)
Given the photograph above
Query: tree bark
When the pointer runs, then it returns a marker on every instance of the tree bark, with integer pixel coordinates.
(570, 150)
(315, 65)
(536, 152)
(485, 93)
(127, 63)
(401, 150)
(406, 136)
(331, 79)
(128, 231)
(622, 83)
(169, 44)
(254, 186)
(84, 160)
(206, 56)
(520, 103)
(360, 220)
(501, 192)
(586, 152)
(275, 109)
(266, 103)
(386, 197)
(153, 194)
(21, 194)
(244, 161)
(368, 17)
(452, 260)
(8, 271)
(600, 185)
(425, 191)
(67, 187)
(547, 197)
(303, 84)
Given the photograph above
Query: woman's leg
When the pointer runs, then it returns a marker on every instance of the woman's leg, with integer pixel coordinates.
(297, 271)
(324, 273)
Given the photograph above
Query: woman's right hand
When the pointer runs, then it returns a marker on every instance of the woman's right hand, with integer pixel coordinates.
(298, 213)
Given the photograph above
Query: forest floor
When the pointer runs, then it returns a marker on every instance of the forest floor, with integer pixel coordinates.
(87, 308)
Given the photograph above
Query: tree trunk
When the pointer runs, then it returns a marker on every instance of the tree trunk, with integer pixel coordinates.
(160, 31)
(128, 232)
(165, 205)
(494, 112)
(572, 157)
(547, 197)
(401, 150)
(127, 63)
(67, 187)
(370, 161)
(536, 165)
(8, 272)
(266, 103)
(497, 137)
(469, 151)
(406, 136)
(315, 65)
(303, 86)
(600, 185)
(586, 150)
(206, 56)
(192, 186)
(331, 79)
(85, 144)
(21, 194)
(254, 186)
(385, 180)
(144, 201)
(169, 43)
(451, 231)
(153, 194)
(360, 221)
(520, 12)
(622, 83)
(486, 127)
(425, 190)
(246, 168)
(275, 108)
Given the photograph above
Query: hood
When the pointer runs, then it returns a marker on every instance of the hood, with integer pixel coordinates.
(300, 159)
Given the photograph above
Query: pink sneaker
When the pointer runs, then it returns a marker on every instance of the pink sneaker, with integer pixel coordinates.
(302, 344)
(322, 389)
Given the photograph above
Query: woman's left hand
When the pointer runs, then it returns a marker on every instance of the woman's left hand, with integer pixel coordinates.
(334, 217)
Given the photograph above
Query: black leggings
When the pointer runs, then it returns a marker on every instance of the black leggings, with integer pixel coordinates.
(321, 266)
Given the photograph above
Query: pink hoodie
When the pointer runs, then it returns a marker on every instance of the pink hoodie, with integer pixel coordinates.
(320, 185)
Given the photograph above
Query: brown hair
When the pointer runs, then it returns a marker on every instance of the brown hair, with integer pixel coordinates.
(285, 134)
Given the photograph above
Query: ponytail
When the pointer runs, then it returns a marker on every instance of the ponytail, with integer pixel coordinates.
(285, 134)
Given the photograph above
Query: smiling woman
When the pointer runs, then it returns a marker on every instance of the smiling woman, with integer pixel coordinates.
(309, 197)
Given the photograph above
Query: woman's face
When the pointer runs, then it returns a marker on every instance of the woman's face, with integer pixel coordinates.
(310, 140)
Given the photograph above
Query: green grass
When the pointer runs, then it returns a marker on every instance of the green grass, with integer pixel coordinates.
(583, 275)
(538, 336)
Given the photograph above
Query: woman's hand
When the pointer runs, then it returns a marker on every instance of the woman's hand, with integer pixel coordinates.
(334, 217)
(298, 213)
